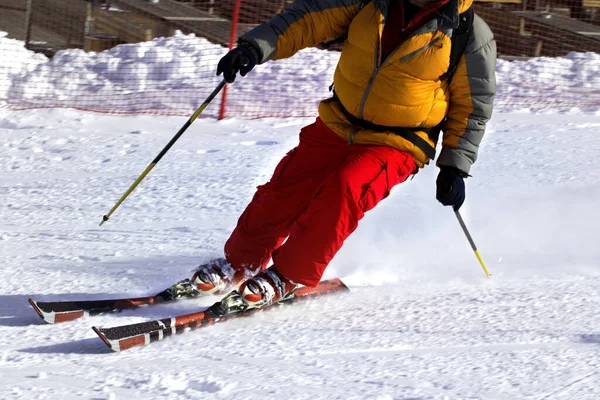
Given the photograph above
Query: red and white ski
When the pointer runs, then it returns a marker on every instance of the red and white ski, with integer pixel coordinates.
(127, 336)
(55, 312)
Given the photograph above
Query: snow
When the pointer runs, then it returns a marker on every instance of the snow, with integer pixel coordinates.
(173, 76)
(421, 322)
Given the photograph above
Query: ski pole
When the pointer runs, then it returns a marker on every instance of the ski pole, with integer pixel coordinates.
(468, 235)
(164, 151)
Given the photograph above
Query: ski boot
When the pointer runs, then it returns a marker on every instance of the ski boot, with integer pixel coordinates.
(217, 277)
(266, 288)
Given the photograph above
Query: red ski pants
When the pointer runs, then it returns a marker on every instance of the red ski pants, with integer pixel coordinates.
(318, 193)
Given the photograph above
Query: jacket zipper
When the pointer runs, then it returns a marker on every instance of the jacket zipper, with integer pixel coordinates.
(378, 66)
(371, 81)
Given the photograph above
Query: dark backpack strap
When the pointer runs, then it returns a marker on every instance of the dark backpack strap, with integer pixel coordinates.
(409, 134)
(459, 39)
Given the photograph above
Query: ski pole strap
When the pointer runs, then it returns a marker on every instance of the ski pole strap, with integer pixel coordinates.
(406, 133)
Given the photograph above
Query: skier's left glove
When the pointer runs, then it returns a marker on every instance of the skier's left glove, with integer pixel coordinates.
(241, 59)
(451, 187)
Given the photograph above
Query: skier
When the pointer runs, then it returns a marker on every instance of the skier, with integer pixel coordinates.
(393, 93)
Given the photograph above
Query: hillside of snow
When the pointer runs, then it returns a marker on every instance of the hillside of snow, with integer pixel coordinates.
(174, 75)
(421, 320)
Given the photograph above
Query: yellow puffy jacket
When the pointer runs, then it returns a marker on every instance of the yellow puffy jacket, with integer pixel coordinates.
(404, 90)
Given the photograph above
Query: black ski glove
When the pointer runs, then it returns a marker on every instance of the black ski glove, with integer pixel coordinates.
(243, 58)
(451, 187)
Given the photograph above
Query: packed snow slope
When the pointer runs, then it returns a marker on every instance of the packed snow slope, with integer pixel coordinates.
(421, 320)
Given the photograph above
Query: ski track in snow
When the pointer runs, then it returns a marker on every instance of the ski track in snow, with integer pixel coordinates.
(421, 321)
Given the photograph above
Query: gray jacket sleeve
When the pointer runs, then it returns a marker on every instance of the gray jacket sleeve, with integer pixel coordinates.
(304, 23)
(472, 93)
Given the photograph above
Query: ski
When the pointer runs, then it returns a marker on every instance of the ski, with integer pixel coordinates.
(54, 312)
(124, 337)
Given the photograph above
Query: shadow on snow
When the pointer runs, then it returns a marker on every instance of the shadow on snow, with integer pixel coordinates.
(15, 310)
(593, 338)
(83, 346)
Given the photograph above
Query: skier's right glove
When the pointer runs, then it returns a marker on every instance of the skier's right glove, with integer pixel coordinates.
(450, 189)
(243, 58)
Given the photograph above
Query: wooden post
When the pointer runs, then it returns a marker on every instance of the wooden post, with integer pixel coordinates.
(538, 48)
(232, 39)
(28, 23)
(89, 20)
(522, 20)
